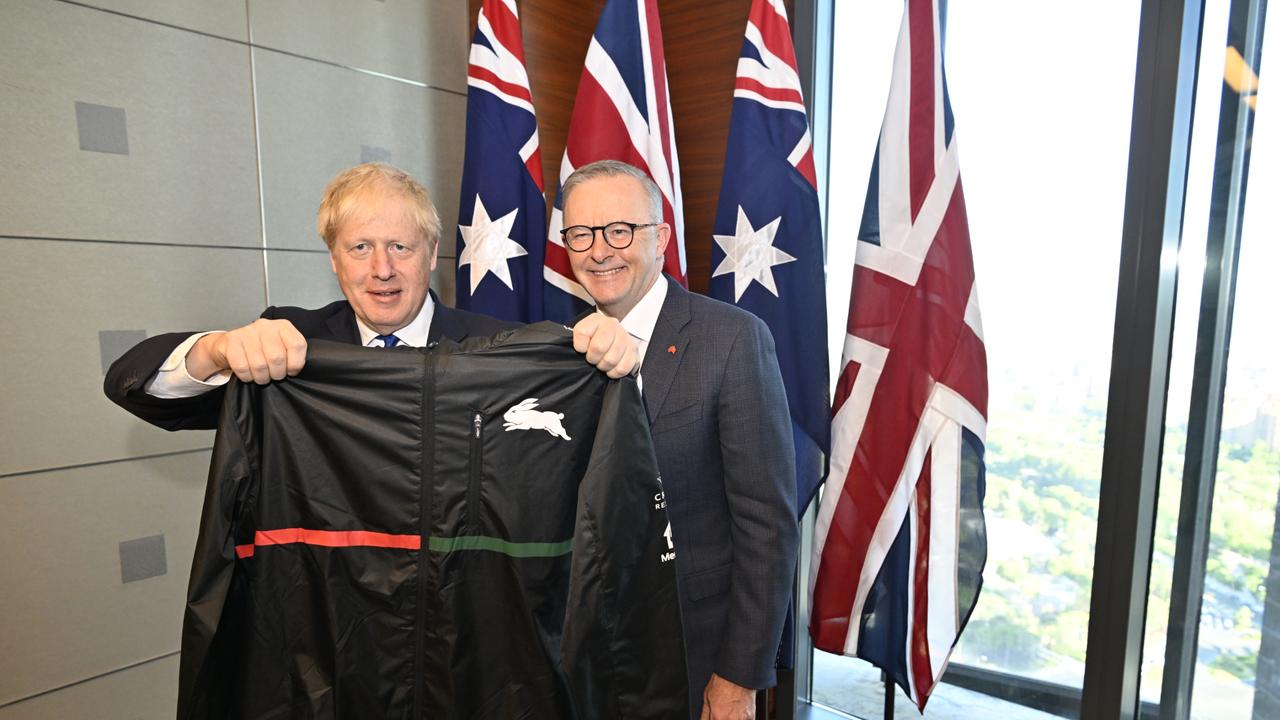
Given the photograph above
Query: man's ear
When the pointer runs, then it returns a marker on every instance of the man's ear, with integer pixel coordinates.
(435, 252)
(333, 263)
(664, 236)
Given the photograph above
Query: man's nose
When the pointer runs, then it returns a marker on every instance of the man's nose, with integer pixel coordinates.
(600, 250)
(382, 268)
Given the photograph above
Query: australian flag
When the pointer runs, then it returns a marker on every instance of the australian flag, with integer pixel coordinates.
(502, 217)
(767, 256)
(900, 542)
(622, 112)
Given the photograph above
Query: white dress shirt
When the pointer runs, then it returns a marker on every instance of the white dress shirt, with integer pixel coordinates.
(172, 380)
(643, 318)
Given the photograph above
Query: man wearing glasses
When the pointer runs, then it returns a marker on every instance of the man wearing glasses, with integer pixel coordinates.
(718, 415)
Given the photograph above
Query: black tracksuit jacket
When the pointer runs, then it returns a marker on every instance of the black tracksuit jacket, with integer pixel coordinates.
(405, 534)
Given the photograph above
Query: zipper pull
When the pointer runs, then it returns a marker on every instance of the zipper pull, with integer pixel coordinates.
(476, 422)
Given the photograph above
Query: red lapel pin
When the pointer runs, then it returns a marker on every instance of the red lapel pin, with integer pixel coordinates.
(671, 349)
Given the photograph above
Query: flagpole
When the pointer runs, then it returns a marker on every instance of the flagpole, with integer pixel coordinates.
(888, 695)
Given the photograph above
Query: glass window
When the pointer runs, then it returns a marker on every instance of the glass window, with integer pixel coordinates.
(1238, 652)
(1191, 265)
(1239, 641)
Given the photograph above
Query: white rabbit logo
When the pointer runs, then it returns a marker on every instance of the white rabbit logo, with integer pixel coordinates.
(522, 416)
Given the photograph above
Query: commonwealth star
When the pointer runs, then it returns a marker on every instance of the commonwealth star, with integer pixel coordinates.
(489, 245)
(750, 255)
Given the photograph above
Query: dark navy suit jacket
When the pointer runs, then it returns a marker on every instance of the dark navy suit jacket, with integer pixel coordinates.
(718, 415)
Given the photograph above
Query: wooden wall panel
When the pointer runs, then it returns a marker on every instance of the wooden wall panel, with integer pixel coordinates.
(702, 39)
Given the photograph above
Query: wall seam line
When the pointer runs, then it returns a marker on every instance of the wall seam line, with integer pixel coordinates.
(130, 666)
(97, 463)
(299, 56)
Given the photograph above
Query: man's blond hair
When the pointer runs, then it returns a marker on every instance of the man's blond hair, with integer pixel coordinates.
(346, 192)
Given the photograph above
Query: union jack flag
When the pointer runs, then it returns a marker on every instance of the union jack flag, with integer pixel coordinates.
(622, 112)
(768, 233)
(901, 540)
(502, 212)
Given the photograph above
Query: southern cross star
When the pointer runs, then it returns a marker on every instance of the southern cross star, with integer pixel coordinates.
(489, 245)
(750, 255)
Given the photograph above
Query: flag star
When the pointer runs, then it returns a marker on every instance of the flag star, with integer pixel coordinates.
(750, 255)
(489, 245)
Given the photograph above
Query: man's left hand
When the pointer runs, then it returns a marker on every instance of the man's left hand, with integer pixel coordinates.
(606, 344)
(724, 700)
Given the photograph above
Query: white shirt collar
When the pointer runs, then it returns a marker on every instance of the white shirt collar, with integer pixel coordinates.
(644, 316)
(414, 334)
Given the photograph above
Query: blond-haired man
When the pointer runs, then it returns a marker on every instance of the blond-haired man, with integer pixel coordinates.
(383, 234)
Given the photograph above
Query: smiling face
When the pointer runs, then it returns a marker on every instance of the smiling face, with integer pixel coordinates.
(383, 262)
(616, 279)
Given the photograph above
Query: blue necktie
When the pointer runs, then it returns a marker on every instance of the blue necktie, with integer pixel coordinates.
(388, 341)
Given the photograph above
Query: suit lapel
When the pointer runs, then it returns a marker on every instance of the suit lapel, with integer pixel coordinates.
(666, 348)
(445, 323)
(342, 326)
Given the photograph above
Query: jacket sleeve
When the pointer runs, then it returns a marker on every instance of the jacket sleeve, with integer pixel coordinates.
(127, 379)
(216, 592)
(623, 646)
(759, 478)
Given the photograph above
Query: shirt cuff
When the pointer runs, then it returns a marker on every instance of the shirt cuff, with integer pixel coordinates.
(172, 381)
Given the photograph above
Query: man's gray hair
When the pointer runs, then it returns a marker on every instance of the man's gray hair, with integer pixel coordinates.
(614, 168)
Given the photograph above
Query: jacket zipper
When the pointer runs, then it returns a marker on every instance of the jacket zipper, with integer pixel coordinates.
(476, 467)
(424, 530)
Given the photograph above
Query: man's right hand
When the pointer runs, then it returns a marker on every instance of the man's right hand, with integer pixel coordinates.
(259, 352)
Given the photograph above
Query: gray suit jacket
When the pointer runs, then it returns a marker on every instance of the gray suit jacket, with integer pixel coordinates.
(718, 414)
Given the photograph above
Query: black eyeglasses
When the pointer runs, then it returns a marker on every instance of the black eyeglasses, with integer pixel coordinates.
(617, 235)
